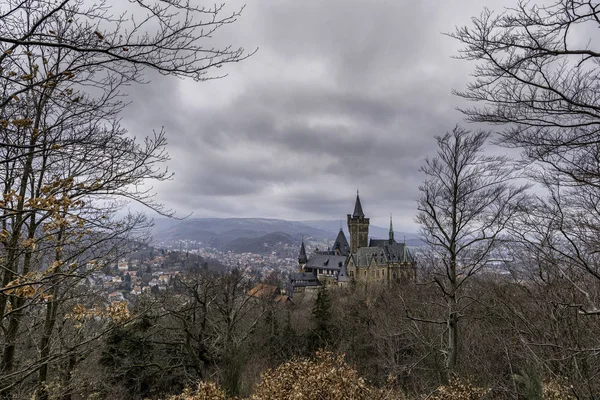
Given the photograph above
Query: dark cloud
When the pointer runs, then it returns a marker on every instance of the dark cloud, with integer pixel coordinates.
(343, 94)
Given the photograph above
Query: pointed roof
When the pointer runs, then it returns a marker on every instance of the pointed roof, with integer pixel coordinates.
(343, 274)
(302, 259)
(391, 230)
(341, 244)
(358, 211)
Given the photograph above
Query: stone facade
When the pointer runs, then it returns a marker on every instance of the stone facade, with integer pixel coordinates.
(359, 232)
(389, 262)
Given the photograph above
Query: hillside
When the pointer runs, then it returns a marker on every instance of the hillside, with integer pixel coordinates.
(240, 234)
(376, 232)
(227, 229)
(259, 245)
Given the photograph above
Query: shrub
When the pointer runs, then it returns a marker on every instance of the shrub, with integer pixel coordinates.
(325, 377)
(204, 391)
(553, 390)
(458, 389)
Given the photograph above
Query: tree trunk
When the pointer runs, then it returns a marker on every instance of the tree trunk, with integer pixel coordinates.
(69, 368)
(51, 310)
(13, 255)
(17, 304)
(452, 356)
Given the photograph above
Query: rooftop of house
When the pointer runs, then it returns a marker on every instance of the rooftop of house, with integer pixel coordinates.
(263, 290)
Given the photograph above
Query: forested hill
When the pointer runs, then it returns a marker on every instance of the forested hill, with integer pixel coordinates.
(227, 229)
(240, 233)
(259, 245)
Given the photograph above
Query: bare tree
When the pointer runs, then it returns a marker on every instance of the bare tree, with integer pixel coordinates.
(537, 74)
(465, 203)
(537, 78)
(168, 36)
(67, 166)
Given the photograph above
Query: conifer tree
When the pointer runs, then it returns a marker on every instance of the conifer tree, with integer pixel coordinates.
(323, 330)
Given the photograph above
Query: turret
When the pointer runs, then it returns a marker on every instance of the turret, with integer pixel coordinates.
(341, 246)
(391, 231)
(302, 259)
(342, 277)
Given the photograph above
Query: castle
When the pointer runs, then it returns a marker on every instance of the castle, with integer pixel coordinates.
(361, 261)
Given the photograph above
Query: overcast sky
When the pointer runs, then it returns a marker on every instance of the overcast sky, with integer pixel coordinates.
(341, 95)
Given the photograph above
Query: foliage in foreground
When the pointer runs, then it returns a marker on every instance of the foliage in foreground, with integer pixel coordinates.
(204, 391)
(458, 389)
(328, 376)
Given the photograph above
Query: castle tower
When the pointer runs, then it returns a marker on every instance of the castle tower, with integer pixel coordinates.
(358, 226)
(302, 259)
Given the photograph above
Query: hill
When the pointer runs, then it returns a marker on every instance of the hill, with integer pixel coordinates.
(259, 245)
(376, 232)
(240, 234)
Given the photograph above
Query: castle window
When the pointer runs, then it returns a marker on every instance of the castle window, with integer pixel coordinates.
(351, 274)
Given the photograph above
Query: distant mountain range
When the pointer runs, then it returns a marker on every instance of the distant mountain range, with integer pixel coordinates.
(376, 232)
(250, 234)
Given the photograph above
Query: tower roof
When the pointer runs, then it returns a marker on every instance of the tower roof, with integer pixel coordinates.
(341, 244)
(302, 256)
(358, 211)
(343, 274)
(391, 230)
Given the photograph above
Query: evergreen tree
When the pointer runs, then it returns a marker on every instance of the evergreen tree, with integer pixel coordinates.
(323, 331)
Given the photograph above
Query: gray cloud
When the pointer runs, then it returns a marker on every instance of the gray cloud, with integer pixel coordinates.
(342, 94)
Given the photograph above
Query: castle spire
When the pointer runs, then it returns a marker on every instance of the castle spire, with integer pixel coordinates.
(341, 246)
(302, 259)
(358, 211)
(391, 230)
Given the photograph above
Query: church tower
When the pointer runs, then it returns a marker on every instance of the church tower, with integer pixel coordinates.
(358, 226)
